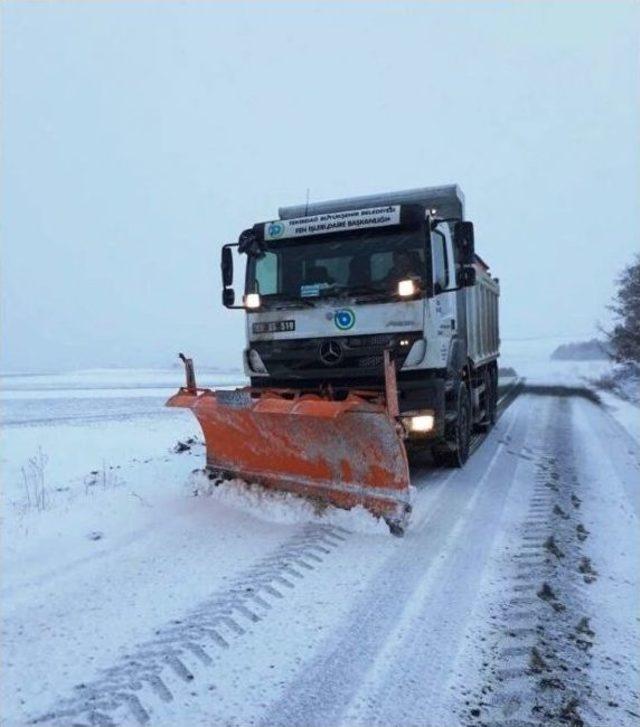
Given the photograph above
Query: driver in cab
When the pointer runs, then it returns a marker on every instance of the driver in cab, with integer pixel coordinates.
(406, 266)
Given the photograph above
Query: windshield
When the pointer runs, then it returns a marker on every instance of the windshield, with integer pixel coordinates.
(365, 263)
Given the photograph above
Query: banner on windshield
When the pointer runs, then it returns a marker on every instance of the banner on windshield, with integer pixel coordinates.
(332, 222)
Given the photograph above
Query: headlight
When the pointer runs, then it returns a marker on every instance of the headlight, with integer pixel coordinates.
(252, 300)
(421, 423)
(406, 288)
(255, 362)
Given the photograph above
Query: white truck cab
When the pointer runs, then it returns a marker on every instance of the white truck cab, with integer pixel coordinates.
(330, 286)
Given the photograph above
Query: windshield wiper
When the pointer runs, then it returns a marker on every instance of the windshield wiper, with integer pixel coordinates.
(364, 289)
(279, 298)
(344, 291)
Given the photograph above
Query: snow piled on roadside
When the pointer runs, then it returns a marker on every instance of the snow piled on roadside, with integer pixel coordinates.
(623, 380)
(282, 507)
(619, 389)
(625, 413)
(618, 386)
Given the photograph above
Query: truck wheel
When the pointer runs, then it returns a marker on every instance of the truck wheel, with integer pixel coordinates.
(493, 406)
(459, 438)
(490, 401)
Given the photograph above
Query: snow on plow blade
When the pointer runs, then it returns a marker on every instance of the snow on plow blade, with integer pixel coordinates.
(345, 453)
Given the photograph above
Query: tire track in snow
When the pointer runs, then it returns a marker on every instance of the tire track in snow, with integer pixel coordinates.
(133, 690)
(321, 695)
(614, 597)
(537, 672)
(409, 688)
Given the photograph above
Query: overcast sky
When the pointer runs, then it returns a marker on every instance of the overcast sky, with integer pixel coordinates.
(138, 137)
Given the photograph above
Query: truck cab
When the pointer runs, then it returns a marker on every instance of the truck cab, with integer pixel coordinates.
(330, 287)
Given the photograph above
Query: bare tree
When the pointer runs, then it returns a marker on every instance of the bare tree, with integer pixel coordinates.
(624, 339)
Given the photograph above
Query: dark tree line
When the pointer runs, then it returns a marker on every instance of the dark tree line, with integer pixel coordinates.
(624, 338)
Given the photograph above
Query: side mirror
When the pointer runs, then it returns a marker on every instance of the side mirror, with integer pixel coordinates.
(247, 242)
(464, 242)
(228, 297)
(226, 266)
(466, 277)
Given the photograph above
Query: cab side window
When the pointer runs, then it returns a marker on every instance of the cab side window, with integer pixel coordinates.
(440, 261)
(267, 274)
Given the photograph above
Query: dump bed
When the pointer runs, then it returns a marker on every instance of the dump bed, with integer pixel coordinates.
(483, 341)
(446, 201)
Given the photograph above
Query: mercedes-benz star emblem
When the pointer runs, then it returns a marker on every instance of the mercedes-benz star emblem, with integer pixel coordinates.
(330, 353)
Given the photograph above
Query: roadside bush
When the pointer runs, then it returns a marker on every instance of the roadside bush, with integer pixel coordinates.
(624, 339)
(105, 478)
(33, 477)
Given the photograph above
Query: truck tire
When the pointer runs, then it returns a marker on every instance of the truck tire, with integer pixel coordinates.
(490, 400)
(493, 410)
(458, 439)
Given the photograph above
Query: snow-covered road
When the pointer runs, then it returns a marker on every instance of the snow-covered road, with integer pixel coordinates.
(513, 598)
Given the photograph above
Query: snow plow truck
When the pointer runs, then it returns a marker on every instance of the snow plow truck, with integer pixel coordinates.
(371, 333)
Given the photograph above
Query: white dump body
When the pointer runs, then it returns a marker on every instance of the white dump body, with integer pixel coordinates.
(446, 201)
(483, 340)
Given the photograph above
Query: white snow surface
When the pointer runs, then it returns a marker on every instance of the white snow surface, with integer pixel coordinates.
(105, 549)
(92, 379)
(281, 507)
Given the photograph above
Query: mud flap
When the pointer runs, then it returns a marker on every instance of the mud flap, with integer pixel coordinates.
(345, 453)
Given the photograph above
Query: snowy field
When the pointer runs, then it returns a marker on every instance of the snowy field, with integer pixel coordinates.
(128, 600)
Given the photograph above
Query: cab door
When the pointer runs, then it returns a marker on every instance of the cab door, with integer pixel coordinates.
(442, 312)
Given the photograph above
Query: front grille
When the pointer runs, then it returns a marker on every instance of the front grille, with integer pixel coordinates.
(370, 362)
(361, 354)
(377, 340)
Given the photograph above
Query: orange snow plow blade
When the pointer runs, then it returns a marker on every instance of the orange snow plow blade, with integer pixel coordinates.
(346, 453)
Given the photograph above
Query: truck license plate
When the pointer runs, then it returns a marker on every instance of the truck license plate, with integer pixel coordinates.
(274, 327)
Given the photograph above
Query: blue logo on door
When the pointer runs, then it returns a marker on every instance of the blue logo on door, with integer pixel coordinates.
(344, 319)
